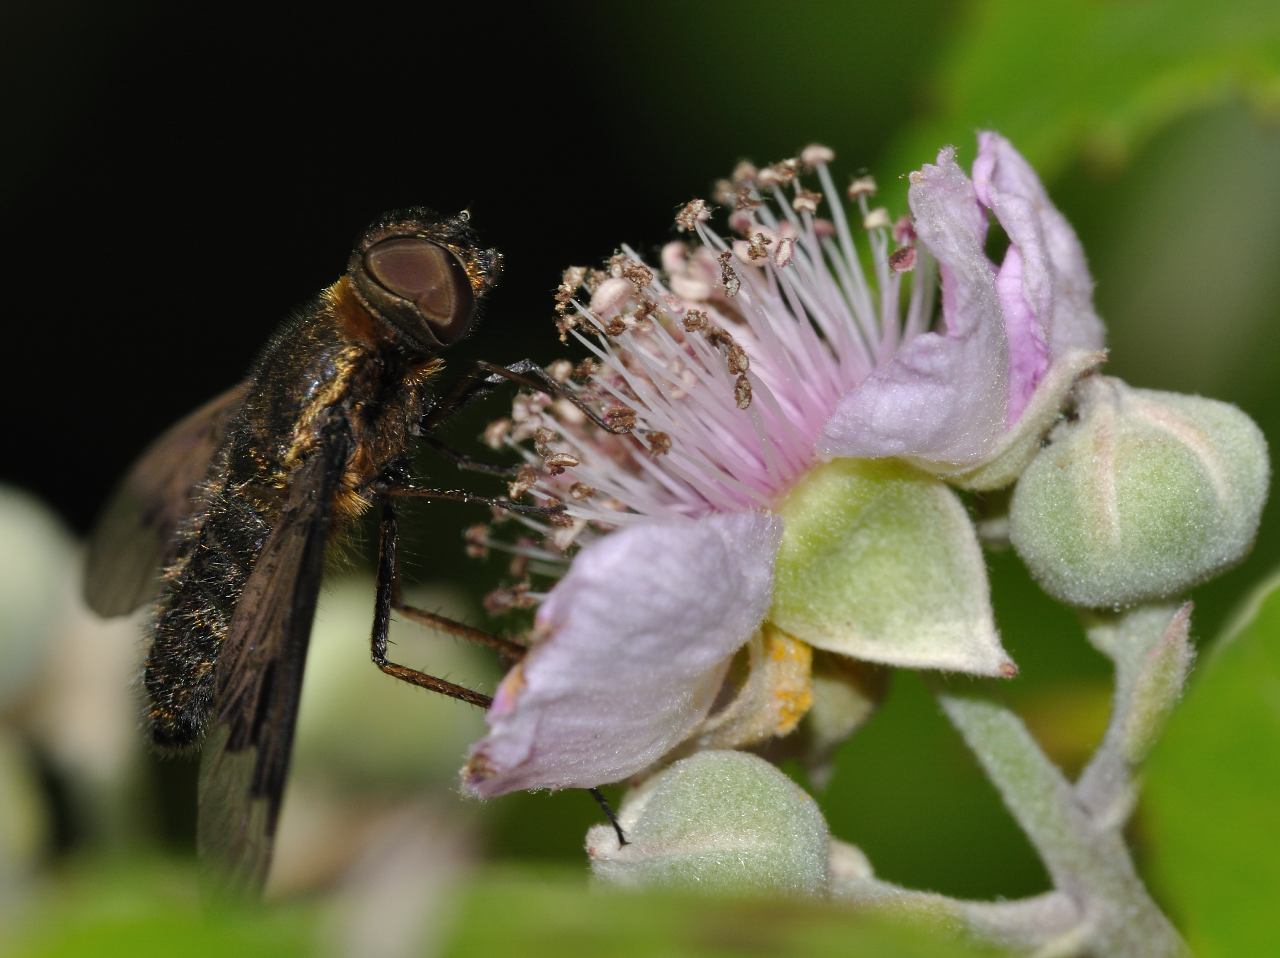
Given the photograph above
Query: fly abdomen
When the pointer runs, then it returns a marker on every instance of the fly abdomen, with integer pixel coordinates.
(193, 615)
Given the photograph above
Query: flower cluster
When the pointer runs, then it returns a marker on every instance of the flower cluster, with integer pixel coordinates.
(759, 459)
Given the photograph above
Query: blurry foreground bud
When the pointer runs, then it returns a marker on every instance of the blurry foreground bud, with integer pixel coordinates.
(36, 562)
(1146, 494)
(716, 821)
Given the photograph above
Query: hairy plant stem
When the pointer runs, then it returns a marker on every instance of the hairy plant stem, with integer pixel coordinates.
(1151, 650)
(1028, 924)
(1087, 862)
(1098, 905)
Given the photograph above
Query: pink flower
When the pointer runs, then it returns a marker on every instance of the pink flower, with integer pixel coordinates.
(796, 413)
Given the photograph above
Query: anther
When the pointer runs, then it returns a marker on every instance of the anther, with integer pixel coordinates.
(560, 519)
(742, 222)
(877, 219)
(659, 443)
(694, 320)
(594, 277)
(806, 201)
(610, 296)
(566, 535)
(780, 173)
(496, 433)
(476, 538)
(526, 478)
(903, 260)
(645, 309)
(744, 173)
(727, 275)
(717, 335)
(638, 275)
(783, 254)
(742, 392)
(620, 418)
(862, 186)
(744, 199)
(756, 246)
(691, 214)
(904, 231)
(815, 154)
(511, 597)
(558, 462)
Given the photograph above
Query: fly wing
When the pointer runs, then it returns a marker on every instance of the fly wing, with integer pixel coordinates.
(259, 679)
(135, 538)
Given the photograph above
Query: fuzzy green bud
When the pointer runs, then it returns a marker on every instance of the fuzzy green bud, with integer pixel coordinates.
(1143, 495)
(717, 821)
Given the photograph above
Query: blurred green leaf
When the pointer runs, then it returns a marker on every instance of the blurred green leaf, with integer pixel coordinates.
(143, 907)
(545, 913)
(1062, 78)
(1214, 790)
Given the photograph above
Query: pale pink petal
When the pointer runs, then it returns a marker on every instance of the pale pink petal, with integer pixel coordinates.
(1045, 286)
(943, 396)
(637, 638)
(1028, 350)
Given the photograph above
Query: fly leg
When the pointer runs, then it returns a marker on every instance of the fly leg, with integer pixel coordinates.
(553, 514)
(484, 377)
(468, 463)
(388, 598)
(396, 480)
(389, 539)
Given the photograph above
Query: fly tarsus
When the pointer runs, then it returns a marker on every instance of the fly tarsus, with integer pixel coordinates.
(388, 598)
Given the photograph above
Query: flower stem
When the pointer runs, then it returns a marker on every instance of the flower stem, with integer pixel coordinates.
(1151, 650)
(1033, 923)
(1088, 864)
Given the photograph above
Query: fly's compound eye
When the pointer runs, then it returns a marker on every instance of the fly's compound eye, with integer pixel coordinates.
(430, 277)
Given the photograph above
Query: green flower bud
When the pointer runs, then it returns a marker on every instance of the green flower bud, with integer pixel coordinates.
(717, 821)
(1145, 494)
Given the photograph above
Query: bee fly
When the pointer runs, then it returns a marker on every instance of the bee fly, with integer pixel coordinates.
(237, 502)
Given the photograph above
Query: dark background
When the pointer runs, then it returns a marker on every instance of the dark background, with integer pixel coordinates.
(173, 186)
